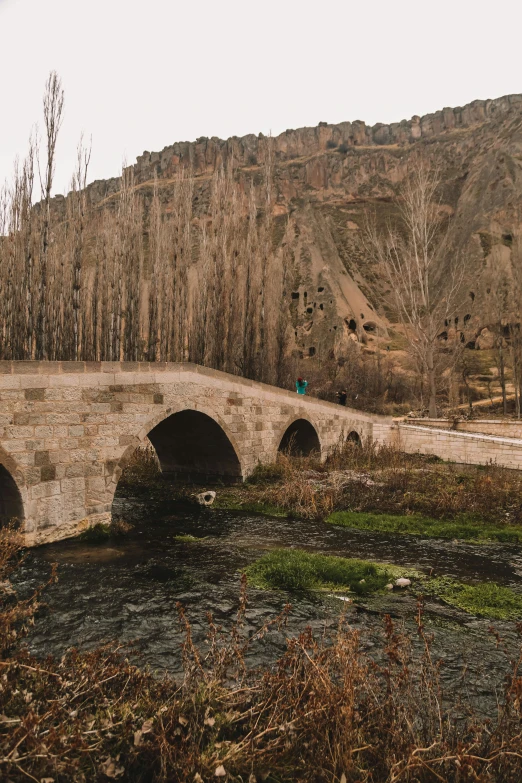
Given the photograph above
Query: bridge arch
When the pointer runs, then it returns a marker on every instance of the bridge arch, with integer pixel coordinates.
(354, 438)
(11, 498)
(299, 437)
(191, 443)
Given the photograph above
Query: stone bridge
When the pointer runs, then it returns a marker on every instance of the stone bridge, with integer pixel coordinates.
(67, 429)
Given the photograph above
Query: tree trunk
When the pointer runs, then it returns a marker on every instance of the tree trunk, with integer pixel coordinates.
(502, 373)
(432, 407)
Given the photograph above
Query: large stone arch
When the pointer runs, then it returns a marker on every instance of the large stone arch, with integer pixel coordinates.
(215, 427)
(12, 490)
(306, 436)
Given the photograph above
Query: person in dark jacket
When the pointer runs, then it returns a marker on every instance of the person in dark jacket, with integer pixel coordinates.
(341, 397)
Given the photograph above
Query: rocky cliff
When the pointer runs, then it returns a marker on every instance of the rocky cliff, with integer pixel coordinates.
(328, 177)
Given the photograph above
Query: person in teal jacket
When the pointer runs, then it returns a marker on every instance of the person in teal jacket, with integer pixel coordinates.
(301, 385)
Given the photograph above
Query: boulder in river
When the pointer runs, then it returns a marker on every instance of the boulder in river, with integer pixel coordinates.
(206, 498)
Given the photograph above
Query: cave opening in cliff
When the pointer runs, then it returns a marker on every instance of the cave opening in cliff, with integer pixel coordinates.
(352, 325)
(370, 326)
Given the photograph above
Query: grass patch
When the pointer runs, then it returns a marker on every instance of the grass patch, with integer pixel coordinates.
(417, 525)
(296, 570)
(234, 503)
(267, 474)
(187, 538)
(264, 508)
(97, 534)
(486, 599)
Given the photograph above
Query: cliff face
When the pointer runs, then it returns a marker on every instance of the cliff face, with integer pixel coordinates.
(326, 180)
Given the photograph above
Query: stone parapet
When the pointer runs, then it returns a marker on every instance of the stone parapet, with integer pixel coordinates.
(461, 447)
(509, 428)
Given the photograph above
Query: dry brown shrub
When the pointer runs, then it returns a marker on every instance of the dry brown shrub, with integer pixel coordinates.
(383, 479)
(15, 614)
(325, 711)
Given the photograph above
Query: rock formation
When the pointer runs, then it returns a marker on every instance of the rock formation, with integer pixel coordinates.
(329, 177)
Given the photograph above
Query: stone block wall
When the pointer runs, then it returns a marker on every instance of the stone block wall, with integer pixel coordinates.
(463, 447)
(508, 428)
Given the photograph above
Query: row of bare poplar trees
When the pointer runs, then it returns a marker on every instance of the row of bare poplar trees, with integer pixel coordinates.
(141, 277)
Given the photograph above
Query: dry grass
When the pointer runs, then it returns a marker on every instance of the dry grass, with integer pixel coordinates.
(384, 480)
(15, 614)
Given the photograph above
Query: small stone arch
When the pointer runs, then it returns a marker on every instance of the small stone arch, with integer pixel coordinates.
(300, 438)
(353, 438)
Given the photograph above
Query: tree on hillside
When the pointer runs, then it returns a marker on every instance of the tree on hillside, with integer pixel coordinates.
(424, 270)
(53, 114)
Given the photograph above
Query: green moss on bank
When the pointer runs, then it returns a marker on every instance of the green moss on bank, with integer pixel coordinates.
(234, 503)
(296, 570)
(189, 539)
(416, 525)
(486, 599)
(97, 534)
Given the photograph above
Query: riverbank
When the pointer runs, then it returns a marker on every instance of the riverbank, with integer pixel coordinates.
(265, 691)
(214, 676)
(384, 490)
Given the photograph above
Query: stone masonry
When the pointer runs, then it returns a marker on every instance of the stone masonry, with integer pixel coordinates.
(461, 447)
(503, 428)
(67, 428)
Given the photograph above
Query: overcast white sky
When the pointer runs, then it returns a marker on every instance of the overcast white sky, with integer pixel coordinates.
(141, 75)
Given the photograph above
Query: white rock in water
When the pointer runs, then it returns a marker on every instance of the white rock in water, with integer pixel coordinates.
(402, 582)
(206, 498)
(389, 586)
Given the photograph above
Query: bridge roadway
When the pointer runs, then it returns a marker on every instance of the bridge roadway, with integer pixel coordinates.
(67, 429)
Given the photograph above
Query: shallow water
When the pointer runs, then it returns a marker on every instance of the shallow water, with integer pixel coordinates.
(127, 590)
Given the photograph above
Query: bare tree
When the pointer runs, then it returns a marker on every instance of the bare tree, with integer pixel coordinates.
(424, 271)
(53, 115)
(141, 275)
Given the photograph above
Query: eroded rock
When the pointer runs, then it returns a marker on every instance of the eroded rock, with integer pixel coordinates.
(206, 498)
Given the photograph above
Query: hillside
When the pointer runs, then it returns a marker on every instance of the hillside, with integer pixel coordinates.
(327, 178)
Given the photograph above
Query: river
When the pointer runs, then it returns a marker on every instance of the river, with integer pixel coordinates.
(127, 589)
